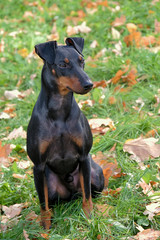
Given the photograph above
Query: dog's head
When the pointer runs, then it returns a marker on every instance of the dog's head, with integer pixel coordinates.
(67, 65)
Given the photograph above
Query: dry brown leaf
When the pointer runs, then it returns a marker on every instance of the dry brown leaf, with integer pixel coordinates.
(23, 52)
(100, 54)
(151, 133)
(119, 75)
(2, 46)
(142, 148)
(78, 29)
(17, 132)
(112, 192)
(26, 236)
(147, 234)
(112, 100)
(147, 41)
(115, 33)
(134, 38)
(147, 188)
(131, 27)
(130, 78)
(28, 14)
(45, 235)
(154, 49)
(13, 210)
(119, 21)
(26, 93)
(102, 83)
(157, 26)
(86, 102)
(94, 44)
(24, 164)
(101, 125)
(19, 176)
(4, 115)
(103, 209)
(12, 94)
(4, 152)
(152, 209)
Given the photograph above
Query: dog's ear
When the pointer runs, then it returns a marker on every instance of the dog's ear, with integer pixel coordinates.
(77, 43)
(46, 51)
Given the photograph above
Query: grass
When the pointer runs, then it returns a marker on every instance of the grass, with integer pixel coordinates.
(20, 34)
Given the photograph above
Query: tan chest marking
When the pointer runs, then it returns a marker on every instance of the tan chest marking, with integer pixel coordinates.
(43, 146)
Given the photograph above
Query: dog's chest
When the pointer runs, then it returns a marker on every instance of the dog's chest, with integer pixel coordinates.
(63, 146)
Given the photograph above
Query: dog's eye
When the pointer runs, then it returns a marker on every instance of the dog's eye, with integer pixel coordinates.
(62, 65)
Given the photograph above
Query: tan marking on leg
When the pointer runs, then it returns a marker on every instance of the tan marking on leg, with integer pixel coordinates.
(87, 204)
(46, 213)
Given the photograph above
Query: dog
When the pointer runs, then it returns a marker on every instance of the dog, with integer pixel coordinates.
(59, 138)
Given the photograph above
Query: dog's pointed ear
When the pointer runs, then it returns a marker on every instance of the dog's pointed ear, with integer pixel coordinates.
(46, 51)
(77, 43)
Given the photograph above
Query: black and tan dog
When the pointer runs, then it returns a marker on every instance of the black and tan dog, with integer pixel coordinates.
(59, 137)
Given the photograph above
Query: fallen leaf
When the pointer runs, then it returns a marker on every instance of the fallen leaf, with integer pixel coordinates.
(100, 54)
(151, 133)
(112, 100)
(157, 26)
(103, 209)
(19, 176)
(26, 93)
(26, 236)
(130, 78)
(102, 83)
(131, 27)
(118, 48)
(147, 188)
(17, 132)
(86, 102)
(119, 21)
(4, 115)
(12, 94)
(115, 33)
(94, 44)
(23, 52)
(28, 14)
(134, 38)
(118, 76)
(2, 46)
(147, 41)
(152, 209)
(13, 210)
(24, 164)
(147, 234)
(78, 29)
(45, 235)
(101, 126)
(4, 152)
(142, 148)
(112, 192)
(154, 49)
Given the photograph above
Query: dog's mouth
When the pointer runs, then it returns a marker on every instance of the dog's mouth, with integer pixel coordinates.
(83, 91)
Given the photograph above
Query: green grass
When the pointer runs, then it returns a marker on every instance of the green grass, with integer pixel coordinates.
(127, 208)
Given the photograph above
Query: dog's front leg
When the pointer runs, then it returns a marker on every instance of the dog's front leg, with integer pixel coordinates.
(42, 190)
(85, 181)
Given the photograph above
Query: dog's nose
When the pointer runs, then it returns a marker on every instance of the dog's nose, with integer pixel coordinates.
(88, 86)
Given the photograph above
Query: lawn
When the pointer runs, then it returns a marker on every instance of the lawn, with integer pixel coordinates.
(122, 57)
